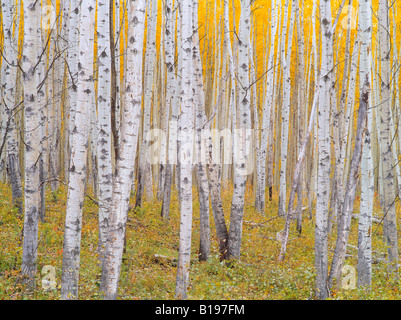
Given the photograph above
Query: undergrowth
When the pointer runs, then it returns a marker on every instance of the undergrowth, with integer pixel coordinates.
(257, 275)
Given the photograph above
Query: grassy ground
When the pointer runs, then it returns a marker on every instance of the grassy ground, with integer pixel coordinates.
(257, 275)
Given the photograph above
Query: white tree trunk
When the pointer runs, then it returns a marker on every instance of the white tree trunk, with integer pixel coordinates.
(72, 59)
(203, 186)
(145, 184)
(285, 113)
(11, 105)
(125, 163)
(267, 107)
(170, 99)
(79, 150)
(31, 138)
(240, 147)
(385, 138)
(104, 160)
(185, 152)
(367, 183)
(323, 176)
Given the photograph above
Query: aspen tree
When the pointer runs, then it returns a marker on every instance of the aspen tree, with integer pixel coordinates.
(267, 109)
(79, 151)
(104, 140)
(302, 109)
(323, 174)
(385, 138)
(114, 35)
(344, 221)
(122, 183)
(11, 103)
(170, 98)
(164, 112)
(316, 63)
(177, 101)
(346, 92)
(285, 57)
(348, 126)
(203, 191)
(57, 103)
(52, 117)
(43, 106)
(185, 151)
(72, 60)
(240, 147)
(367, 186)
(64, 33)
(145, 174)
(31, 138)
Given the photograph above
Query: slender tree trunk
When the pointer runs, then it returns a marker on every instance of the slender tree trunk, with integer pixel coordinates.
(385, 138)
(302, 110)
(145, 174)
(43, 106)
(344, 222)
(266, 121)
(285, 112)
(11, 103)
(185, 152)
(79, 148)
(367, 183)
(104, 130)
(240, 146)
(125, 163)
(31, 138)
(111, 64)
(72, 59)
(323, 175)
(203, 191)
(171, 97)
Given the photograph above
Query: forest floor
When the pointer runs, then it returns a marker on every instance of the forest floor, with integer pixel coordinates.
(258, 275)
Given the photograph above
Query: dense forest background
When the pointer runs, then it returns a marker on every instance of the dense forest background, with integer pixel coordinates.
(177, 149)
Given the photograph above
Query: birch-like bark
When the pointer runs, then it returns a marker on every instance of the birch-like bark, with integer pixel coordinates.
(267, 107)
(323, 174)
(79, 151)
(164, 112)
(203, 186)
(367, 183)
(346, 92)
(348, 127)
(145, 174)
(285, 112)
(170, 97)
(125, 163)
(31, 138)
(316, 61)
(213, 166)
(11, 105)
(185, 152)
(113, 46)
(43, 106)
(240, 145)
(344, 222)
(302, 109)
(72, 59)
(104, 138)
(385, 138)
